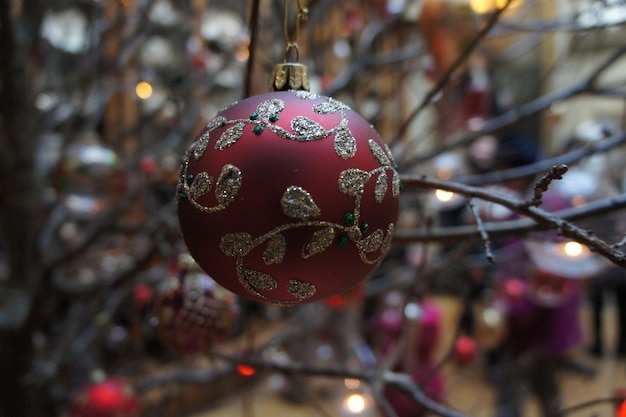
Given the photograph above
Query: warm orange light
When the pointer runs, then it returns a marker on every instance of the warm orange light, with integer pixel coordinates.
(351, 383)
(355, 403)
(245, 370)
(485, 6)
(443, 195)
(143, 90)
(444, 173)
(573, 249)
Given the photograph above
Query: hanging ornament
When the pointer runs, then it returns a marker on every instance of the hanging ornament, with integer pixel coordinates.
(193, 312)
(142, 295)
(110, 398)
(464, 350)
(288, 197)
(88, 167)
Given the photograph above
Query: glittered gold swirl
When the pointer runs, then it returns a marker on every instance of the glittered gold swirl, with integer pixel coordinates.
(226, 189)
(301, 289)
(380, 189)
(237, 244)
(228, 184)
(352, 181)
(275, 250)
(201, 185)
(320, 241)
(230, 136)
(259, 280)
(298, 203)
(303, 129)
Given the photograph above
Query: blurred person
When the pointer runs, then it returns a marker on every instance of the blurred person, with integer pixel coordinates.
(542, 320)
(405, 337)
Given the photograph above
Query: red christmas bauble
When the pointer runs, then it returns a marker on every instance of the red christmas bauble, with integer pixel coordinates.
(288, 197)
(464, 350)
(193, 311)
(514, 289)
(142, 295)
(110, 398)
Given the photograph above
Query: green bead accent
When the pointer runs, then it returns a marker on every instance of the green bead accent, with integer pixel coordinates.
(364, 227)
(189, 178)
(348, 219)
(258, 129)
(254, 116)
(396, 166)
(182, 195)
(342, 241)
(274, 118)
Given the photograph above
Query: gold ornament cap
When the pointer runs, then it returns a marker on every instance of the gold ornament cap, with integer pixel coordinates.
(290, 76)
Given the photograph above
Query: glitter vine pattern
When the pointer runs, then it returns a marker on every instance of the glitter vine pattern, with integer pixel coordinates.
(296, 202)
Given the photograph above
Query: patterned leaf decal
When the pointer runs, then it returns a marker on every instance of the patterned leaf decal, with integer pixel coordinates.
(352, 181)
(298, 203)
(230, 136)
(345, 143)
(307, 128)
(320, 241)
(228, 184)
(216, 122)
(378, 152)
(275, 250)
(380, 190)
(329, 107)
(305, 95)
(272, 106)
(201, 185)
(301, 289)
(372, 242)
(387, 240)
(395, 184)
(199, 146)
(236, 244)
(259, 280)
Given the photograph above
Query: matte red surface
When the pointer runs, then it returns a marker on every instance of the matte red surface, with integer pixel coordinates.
(270, 164)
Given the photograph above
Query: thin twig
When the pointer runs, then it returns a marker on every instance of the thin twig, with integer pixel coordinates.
(555, 173)
(484, 236)
(540, 217)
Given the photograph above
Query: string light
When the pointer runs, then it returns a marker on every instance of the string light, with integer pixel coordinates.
(245, 370)
(443, 195)
(573, 249)
(486, 6)
(355, 403)
(143, 90)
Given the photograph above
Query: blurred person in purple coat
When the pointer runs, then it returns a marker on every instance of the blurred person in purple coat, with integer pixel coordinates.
(543, 323)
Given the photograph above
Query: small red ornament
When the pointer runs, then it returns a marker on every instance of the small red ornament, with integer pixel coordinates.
(620, 409)
(288, 197)
(110, 398)
(245, 370)
(514, 289)
(464, 350)
(142, 295)
(193, 311)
